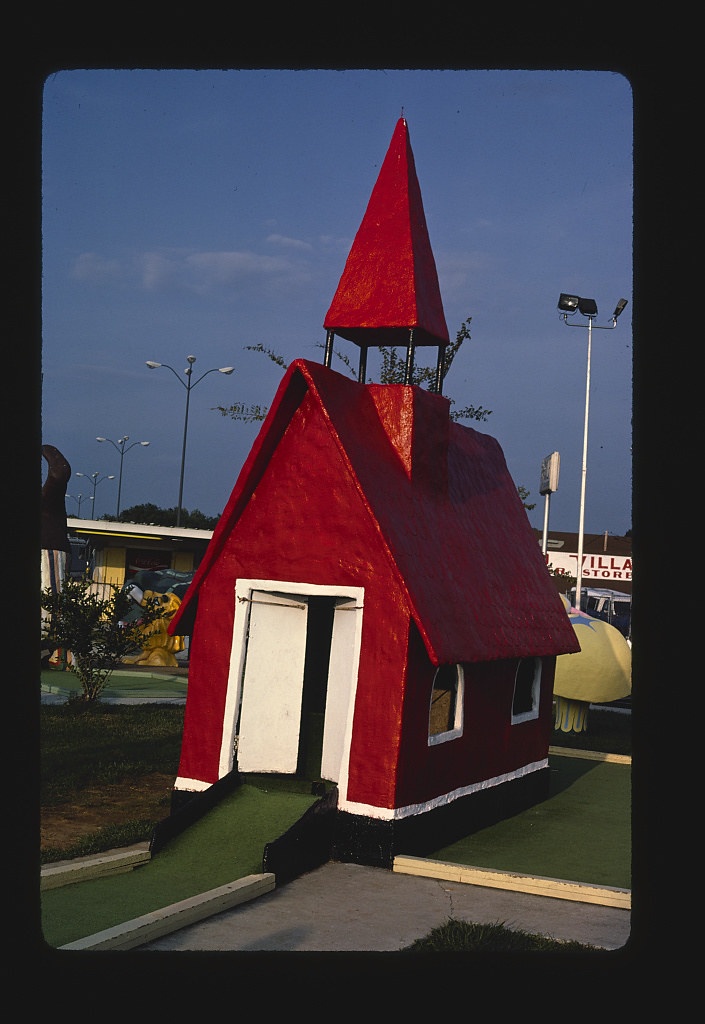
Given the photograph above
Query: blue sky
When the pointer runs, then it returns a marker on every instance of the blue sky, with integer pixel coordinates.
(199, 212)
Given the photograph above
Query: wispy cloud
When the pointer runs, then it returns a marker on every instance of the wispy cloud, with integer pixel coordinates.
(201, 273)
(288, 243)
(89, 266)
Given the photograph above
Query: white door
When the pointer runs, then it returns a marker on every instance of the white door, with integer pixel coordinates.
(341, 685)
(274, 681)
(270, 715)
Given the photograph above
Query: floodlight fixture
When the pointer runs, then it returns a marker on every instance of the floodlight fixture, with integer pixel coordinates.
(568, 303)
(619, 308)
(588, 307)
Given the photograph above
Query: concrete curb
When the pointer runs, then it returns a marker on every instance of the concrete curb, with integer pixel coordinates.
(513, 881)
(177, 915)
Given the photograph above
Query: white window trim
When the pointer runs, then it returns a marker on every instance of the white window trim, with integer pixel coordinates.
(457, 730)
(529, 716)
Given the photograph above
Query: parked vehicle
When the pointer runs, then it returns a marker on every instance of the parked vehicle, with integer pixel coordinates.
(609, 605)
(80, 557)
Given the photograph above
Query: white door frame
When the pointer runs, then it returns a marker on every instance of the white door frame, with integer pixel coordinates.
(342, 674)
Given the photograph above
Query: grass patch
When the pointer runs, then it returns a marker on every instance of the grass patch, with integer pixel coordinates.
(105, 743)
(107, 769)
(466, 937)
(108, 838)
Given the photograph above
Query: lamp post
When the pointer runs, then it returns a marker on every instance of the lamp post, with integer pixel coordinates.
(568, 306)
(189, 385)
(80, 499)
(119, 447)
(95, 479)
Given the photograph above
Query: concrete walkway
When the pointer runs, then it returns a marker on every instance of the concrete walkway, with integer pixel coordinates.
(353, 908)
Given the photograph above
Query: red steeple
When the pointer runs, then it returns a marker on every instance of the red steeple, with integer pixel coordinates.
(389, 287)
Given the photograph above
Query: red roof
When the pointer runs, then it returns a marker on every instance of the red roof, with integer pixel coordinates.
(445, 506)
(389, 283)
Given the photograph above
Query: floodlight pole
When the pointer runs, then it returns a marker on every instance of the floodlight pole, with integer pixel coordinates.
(569, 304)
(583, 472)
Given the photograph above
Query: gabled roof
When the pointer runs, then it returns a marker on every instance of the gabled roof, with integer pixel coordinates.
(389, 283)
(444, 505)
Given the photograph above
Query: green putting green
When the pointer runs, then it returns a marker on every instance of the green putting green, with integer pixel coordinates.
(226, 844)
(122, 683)
(581, 833)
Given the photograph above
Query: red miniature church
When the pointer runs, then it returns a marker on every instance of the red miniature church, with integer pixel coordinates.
(374, 579)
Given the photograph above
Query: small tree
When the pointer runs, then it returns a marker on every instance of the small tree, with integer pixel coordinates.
(92, 627)
(524, 494)
(392, 371)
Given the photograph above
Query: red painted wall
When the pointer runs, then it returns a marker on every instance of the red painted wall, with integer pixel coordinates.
(316, 529)
(308, 520)
(490, 745)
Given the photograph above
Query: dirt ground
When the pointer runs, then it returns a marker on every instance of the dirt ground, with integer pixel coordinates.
(147, 798)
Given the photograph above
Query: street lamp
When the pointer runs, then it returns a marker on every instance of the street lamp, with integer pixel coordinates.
(189, 385)
(95, 479)
(119, 446)
(568, 306)
(80, 499)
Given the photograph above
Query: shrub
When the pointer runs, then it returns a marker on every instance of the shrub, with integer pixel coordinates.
(82, 620)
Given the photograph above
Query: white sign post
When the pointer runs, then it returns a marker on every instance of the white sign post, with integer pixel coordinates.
(550, 468)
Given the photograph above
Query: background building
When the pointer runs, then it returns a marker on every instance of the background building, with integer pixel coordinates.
(607, 560)
(114, 552)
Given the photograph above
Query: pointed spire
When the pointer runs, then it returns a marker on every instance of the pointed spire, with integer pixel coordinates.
(389, 285)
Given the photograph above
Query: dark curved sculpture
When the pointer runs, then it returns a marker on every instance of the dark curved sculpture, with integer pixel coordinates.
(55, 535)
(56, 547)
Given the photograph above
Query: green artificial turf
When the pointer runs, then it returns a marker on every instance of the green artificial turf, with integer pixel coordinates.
(121, 683)
(581, 833)
(214, 851)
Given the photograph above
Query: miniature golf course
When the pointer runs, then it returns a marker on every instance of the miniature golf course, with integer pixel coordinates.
(581, 833)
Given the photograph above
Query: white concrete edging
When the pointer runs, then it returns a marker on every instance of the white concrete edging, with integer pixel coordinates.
(177, 915)
(97, 866)
(579, 892)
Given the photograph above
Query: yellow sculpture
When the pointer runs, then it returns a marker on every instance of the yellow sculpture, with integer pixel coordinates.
(599, 673)
(158, 647)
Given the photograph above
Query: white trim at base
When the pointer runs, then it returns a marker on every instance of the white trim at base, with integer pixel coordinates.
(397, 813)
(192, 785)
